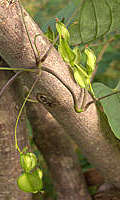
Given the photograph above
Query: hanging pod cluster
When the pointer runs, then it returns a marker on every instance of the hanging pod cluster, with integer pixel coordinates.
(31, 178)
(73, 57)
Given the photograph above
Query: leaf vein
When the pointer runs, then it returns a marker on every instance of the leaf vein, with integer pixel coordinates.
(106, 2)
(80, 21)
(95, 14)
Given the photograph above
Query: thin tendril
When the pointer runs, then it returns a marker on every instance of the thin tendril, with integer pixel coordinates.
(26, 29)
(18, 69)
(20, 112)
(9, 82)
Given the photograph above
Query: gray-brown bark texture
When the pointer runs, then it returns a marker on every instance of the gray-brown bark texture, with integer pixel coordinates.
(57, 150)
(9, 157)
(89, 129)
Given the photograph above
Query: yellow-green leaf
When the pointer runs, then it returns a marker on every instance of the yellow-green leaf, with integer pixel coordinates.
(62, 30)
(81, 77)
(77, 52)
(66, 52)
(28, 161)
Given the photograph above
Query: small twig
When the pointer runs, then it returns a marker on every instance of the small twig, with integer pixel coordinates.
(108, 95)
(95, 100)
(22, 14)
(84, 99)
(97, 44)
(9, 82)
(99, 58)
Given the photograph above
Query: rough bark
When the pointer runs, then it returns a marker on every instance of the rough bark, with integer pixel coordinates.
(90, 129)
(9, 157)
(112, 194)
(57, 150)
(93, 177)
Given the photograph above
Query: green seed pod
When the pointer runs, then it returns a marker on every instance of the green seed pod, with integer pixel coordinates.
(91, 60)
(78, 55)
(28, 161)
(81, 76)
(30, 182)
(62, 30)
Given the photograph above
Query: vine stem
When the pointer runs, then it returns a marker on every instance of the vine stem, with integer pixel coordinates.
(9, 82)
(20, 112)
(38, 62)
(26, 29)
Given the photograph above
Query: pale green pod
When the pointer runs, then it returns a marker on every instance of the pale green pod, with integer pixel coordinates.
(81, 76)
(28, 161)
(78, 55)
(66, 52)
(91, 60)
(30, 182)
(38, 173)
(62, 30)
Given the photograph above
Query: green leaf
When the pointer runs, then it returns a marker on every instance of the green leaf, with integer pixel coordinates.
(66, 52)
(81, 76)
(111, 106)
(95, 19)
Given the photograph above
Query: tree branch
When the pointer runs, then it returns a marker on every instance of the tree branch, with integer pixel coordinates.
(57, 150)
(90, 130)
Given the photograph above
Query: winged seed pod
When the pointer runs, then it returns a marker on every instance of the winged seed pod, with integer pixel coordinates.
(81, 76)
(91, 60)
(78, 55)
(31, 182)
(62, 30)
(66, 52)
(28, 161)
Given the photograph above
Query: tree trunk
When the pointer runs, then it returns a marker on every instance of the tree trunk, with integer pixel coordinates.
(9, 157)
(90, 129)
(57, 150)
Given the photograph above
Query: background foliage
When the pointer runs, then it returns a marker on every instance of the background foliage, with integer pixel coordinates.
(44, 11)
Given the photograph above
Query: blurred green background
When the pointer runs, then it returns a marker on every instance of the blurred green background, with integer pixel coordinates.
(109, 66)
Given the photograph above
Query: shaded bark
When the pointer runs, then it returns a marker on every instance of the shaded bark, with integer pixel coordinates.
(112, 194)
(90, 130)
(57, 150)
(9, 157)
(93, 177)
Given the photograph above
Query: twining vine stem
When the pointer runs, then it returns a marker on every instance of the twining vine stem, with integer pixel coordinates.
(40, 61)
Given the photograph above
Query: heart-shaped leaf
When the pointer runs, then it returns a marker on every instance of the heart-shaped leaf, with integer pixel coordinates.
(95, 19)
(111, 106)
